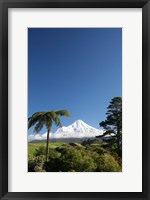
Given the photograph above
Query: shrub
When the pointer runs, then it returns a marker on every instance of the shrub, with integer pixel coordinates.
(107, 163)
(40, 151)
(36, 163)
(90, 141)
(70, 159)
(31, 163)
(74, 158)
(52, 165)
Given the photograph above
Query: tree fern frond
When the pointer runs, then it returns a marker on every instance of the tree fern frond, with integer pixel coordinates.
(52, 114)
(48, 123)
(63, 112)
(38, 126)
(34, 119)
(57, 122)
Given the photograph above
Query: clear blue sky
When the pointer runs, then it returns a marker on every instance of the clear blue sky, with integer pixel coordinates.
(78, 69)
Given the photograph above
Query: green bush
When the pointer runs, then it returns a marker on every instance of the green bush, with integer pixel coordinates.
(69, 159)
(107, 163)
(74, 158)
(90, 141)
(31, 163)
(36, 163)
(40, 151)
(52, 165)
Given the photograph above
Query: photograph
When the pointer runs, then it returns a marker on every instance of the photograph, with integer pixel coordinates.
(74, 100)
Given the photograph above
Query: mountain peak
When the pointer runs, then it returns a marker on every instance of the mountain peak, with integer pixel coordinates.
(77, 129)
(79, 122)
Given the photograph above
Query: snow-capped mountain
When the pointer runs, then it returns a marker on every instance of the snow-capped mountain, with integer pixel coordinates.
(77, 130)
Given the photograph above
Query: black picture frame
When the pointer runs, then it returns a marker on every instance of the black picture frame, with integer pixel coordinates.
(4, 6)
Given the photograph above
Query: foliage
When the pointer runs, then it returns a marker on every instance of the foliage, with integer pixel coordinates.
(36, 163)
(52, 164)
(40, 119)
(74, 158)
(40, 151)
(113, 122)
(90, 141)
(107, 163)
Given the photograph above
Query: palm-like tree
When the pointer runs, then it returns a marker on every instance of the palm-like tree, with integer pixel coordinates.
(40, 119)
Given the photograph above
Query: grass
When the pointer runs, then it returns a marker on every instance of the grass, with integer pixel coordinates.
(33, 146)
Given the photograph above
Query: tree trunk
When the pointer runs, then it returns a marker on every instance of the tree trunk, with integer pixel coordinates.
(48, 132)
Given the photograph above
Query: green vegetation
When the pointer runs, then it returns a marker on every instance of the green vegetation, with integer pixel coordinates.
(40, 119)
(113, 122)
(90, 156)
(33, 147)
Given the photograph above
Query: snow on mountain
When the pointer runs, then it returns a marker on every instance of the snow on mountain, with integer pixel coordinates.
(77, 130)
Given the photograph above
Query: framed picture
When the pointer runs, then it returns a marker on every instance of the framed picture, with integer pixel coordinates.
(74, 99)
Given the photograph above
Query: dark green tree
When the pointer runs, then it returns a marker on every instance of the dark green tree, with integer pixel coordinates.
(113, 122)
(40, 119)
